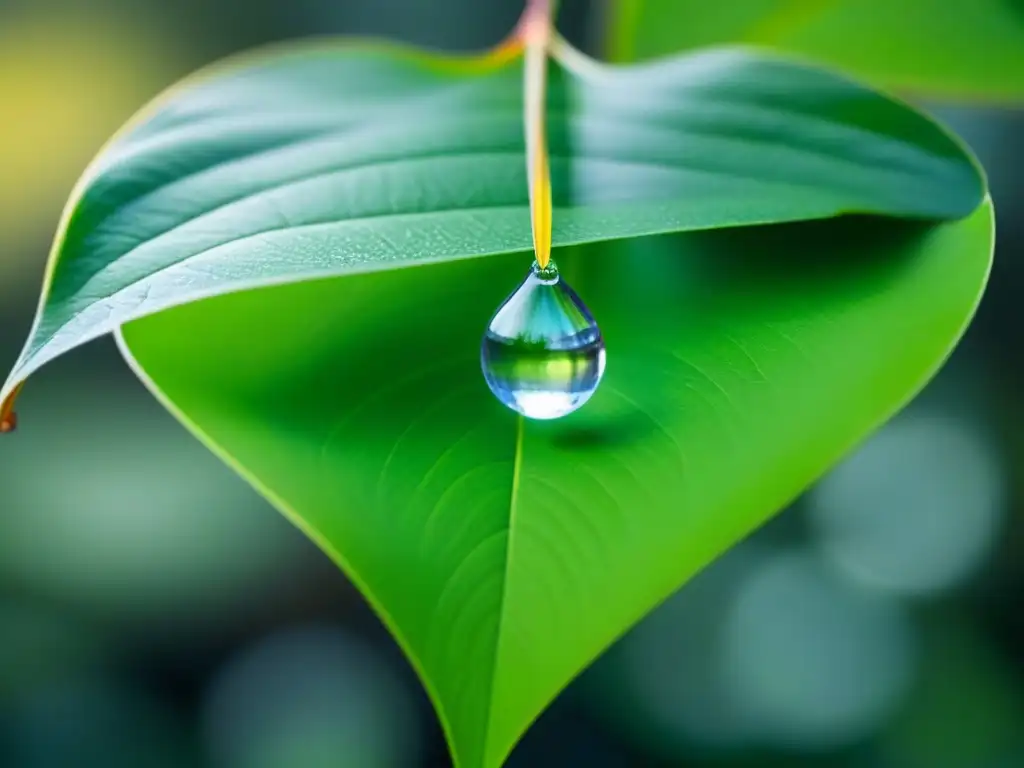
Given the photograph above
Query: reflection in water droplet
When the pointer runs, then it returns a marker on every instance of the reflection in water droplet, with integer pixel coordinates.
(542, 354)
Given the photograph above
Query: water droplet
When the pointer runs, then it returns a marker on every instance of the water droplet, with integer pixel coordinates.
(542, 354)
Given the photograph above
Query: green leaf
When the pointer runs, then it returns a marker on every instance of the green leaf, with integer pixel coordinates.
(949, 49)
(339, 158)
(505, 555)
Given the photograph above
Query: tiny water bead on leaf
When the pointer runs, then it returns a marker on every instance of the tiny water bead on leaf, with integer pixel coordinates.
(542, 354)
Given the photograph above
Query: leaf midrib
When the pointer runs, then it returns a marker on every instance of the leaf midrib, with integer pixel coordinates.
(517, 464)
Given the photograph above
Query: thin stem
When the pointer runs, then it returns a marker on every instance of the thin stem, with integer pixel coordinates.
(535, 31)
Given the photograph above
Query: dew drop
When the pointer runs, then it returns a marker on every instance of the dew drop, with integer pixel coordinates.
(542, 354)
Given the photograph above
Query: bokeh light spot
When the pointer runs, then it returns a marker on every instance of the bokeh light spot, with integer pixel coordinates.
(915, 510)
(315, 697)
(814, 661)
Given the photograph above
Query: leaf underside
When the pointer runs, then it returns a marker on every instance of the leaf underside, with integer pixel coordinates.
(338, 159)
(505, 555)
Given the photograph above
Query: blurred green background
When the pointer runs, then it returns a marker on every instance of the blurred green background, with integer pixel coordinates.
(154, 611)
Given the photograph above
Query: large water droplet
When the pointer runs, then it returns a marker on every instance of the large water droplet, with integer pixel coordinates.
(542, 354)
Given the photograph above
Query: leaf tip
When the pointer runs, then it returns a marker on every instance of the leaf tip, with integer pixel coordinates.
(8, 418)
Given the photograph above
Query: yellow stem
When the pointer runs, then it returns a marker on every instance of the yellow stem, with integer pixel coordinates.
(535, 32)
